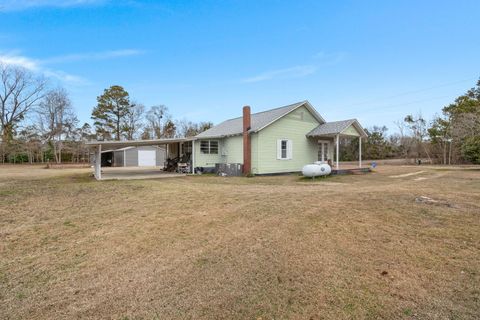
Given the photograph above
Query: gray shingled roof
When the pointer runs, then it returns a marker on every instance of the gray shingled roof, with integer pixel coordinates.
(258, 121)
(330, 128)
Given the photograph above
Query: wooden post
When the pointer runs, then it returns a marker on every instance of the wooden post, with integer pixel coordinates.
(360, 152)
(247, 147)
(98, 163)
(193, 156)
(338, 148)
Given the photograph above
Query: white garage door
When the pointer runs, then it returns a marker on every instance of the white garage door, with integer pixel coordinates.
(146, 158)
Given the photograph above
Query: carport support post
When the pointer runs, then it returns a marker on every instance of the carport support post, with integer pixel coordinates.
(338, 148)
(360, 152)
(193, 156)
(98, 163)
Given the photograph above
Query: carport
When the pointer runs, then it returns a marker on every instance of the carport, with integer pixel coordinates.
(175, 148)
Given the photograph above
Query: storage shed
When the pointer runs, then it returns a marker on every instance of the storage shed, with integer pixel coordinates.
(143, 156)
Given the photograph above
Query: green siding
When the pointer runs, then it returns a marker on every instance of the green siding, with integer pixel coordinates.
(351, 131)
(207, 160)
(254, 142)
(293, 126)
(232, 151)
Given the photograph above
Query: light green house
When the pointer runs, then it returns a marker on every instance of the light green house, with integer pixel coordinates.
(281, 140)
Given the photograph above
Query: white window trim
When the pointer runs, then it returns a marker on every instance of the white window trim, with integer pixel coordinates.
(289, 149)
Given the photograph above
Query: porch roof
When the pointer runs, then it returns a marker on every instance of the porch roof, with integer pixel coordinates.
(134, 143)
(337, 127)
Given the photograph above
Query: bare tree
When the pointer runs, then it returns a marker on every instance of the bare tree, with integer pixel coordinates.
(133, 120)
(155, 118)
(20, 91)
(56, 120)
(418, 126)
(187, 128)
(404, 141)
(80, 152)
(29, 139)
(169, 129)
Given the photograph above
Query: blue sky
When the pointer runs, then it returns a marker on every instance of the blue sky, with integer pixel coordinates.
(373, 60)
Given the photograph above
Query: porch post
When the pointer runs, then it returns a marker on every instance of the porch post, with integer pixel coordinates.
(338, 148)
(193, 156)
(360, 152)
(98, 162)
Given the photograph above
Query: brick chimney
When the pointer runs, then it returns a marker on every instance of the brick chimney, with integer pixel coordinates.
(247, 149)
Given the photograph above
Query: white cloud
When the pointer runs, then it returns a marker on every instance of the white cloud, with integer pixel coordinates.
(66, 77)
(39, 65)
(93, 56)
(293, 72)
(36, 66)
(16, 5)
(20, 61)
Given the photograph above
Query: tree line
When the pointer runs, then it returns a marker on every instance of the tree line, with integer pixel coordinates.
(38, 122)
(117, 117)
(451, 137)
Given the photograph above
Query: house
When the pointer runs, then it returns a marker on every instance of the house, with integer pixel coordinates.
(279, 140)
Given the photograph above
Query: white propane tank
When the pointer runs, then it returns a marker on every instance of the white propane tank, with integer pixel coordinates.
(316, 170)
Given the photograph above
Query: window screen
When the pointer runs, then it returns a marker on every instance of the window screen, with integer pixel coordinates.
(204, 146)
(209, 146)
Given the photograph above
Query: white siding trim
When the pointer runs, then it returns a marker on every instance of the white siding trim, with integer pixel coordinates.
(193, 156)
(279, 149)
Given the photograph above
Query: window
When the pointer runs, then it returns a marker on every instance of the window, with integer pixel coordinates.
(205, 146)
(284, 149)
(213, 147)
(209, 146)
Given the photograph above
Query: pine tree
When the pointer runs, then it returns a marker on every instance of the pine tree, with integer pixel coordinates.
(111, 112)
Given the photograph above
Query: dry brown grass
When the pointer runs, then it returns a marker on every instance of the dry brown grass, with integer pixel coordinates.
(204, 247)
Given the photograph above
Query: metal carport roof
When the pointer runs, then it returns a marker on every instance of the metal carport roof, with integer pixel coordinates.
(134, 143)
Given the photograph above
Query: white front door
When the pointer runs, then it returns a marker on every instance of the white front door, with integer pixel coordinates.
(323, 147)
(146, 158)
